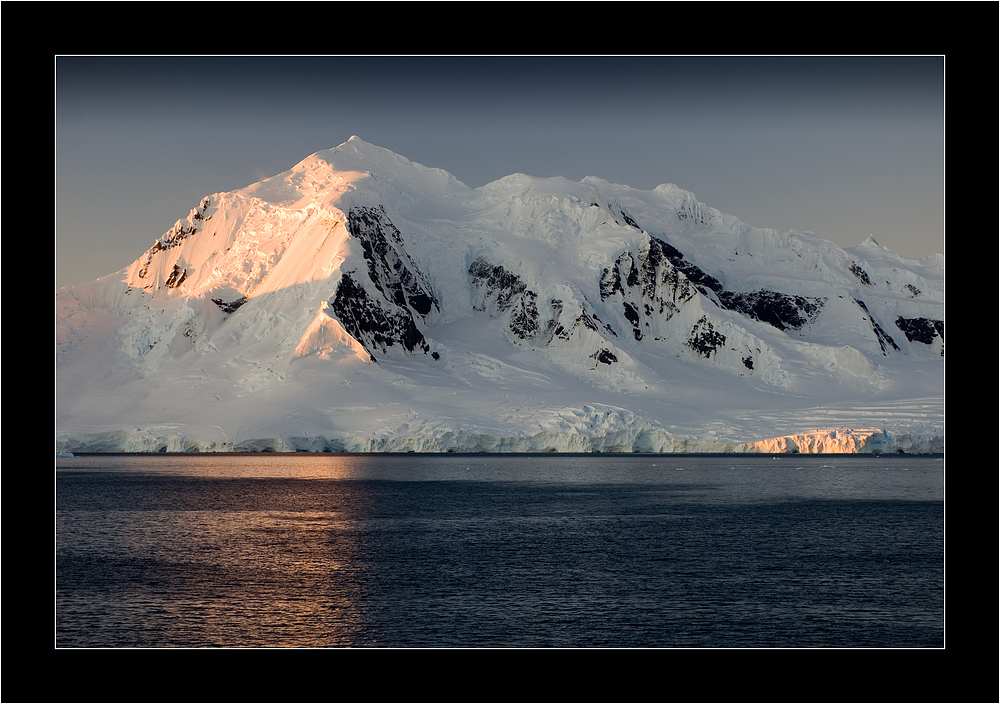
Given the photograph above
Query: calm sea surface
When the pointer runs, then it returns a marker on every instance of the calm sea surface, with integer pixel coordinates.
(321, 550)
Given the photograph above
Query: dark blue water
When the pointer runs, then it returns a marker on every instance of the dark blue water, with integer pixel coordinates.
(499, 551)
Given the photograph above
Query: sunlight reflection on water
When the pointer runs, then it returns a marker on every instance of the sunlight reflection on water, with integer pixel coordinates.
(348, 550)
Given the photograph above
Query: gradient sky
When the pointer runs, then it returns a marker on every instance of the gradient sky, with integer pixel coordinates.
(840, 146)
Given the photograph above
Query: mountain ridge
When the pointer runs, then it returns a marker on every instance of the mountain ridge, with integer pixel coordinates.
(359, 284)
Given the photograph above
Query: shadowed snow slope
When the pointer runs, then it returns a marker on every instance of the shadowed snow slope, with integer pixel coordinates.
(363, 302)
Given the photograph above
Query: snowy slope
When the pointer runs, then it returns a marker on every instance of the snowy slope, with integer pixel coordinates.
(363, 302)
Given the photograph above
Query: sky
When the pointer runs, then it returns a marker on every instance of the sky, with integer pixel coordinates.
(844, 147)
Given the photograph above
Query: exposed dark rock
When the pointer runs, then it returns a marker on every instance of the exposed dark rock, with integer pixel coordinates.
(880, 334)
(593, 326)
(390, 267)
(370, 323)
(176, 277)
(231, 306)
(861, 274)
(632, 273)
(921, 329)
(421, 303)
(781, 310)
(587, 322)
(661, 250)
(505, 291)
(633, 317)
(524, 316)
(704, 339)
(553, 328)
(654, 255)
(386, 319)
(628, 219)
(173, 238)
(652, 283)
(663, 280)
(199, 213)
(604, 357)
(499, 285)
(611, 283)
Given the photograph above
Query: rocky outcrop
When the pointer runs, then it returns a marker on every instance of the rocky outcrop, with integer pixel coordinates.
(504, 294)
(883, 338)
(780, 310)
(380, 306)
(922, 330)
(390, 266)
(230, 306)
(648, 286)
(174, 238)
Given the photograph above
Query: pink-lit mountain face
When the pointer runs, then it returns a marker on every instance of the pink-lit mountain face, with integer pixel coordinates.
(363, 302)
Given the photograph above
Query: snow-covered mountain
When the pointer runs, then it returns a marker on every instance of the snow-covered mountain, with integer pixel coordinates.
(364, 302)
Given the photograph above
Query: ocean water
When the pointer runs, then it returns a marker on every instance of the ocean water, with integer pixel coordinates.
(511, 551)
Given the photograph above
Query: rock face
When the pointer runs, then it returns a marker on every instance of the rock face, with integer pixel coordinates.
(922, 330)
(649, 287)
(503, 294)
(254, 323)
(385, 316)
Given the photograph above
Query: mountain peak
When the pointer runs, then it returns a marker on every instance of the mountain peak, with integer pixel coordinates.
(325, 176)
(356, 145)
(358, 155)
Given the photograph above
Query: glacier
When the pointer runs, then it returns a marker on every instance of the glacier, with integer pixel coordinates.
(361, 302)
